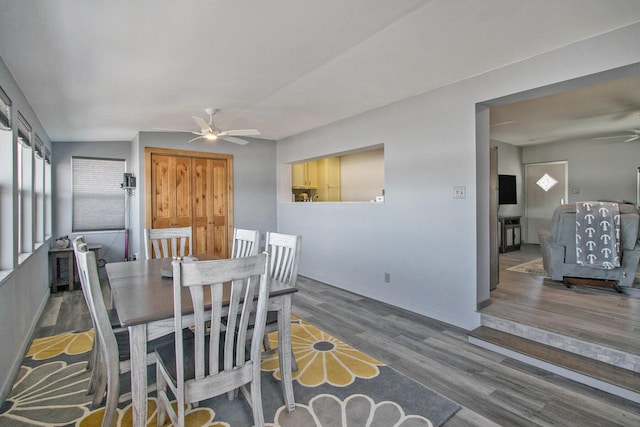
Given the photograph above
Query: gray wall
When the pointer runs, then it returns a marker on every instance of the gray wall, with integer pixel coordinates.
(112, 242)
(435, 247)
(600, 170)
(24, 292)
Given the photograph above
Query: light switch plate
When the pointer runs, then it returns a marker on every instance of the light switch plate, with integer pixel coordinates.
(460, 192)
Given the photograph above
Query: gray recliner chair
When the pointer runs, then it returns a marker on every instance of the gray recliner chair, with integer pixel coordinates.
(558, 247)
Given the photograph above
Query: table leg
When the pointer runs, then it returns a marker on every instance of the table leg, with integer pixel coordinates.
(54, 273)
(284, 352)
(138, 344)
(70, 258)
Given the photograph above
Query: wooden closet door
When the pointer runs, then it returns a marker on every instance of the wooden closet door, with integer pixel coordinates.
(210, 207)
(171, 191)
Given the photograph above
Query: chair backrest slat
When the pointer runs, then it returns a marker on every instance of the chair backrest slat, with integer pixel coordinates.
(168, 242)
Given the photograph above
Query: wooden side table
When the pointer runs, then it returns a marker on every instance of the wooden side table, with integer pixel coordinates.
(56, 255)
(510, 233)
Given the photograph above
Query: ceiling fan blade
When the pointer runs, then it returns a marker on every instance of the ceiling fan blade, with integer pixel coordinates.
(632, 136)
(241, 132)
(176, 130)
(204, 126)
(196, 138)
(611, 137)
(233, 139)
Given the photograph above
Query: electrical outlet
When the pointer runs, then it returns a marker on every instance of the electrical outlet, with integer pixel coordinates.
(133, 257)
(460, 192)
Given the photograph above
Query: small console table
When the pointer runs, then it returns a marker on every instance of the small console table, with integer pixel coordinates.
(66, 255)
(510, 233)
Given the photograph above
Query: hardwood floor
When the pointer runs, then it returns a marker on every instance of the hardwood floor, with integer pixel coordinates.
(597, 315)
(65, 311)
(492, 389)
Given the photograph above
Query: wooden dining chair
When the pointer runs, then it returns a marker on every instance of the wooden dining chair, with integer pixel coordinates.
(245, 243)
(215, 362)
(94, 359)
(284, 253)
(112, 344)
(168, 242)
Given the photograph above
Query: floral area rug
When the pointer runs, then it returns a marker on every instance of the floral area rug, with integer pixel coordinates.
(335, 385)
(532, 267)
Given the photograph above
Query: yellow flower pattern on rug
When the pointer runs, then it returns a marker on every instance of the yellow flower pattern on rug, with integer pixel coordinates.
(322, 358)
(68, 343)
(194, 417)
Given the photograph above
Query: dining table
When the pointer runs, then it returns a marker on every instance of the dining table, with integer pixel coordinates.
(142, 296)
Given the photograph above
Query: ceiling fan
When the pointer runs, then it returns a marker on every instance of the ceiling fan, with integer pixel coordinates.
(210, 132)
(633, 135)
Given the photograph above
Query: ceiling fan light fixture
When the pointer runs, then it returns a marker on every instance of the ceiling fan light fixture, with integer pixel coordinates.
(210, 132)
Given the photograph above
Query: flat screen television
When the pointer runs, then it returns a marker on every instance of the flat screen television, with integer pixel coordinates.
(507, 194)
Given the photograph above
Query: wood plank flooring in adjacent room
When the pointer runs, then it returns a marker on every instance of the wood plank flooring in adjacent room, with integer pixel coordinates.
(597, 315)
(492, 389)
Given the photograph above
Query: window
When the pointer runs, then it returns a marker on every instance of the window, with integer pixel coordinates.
(98, 199)
(47, 193)
(38, 190)
(25, 187)
(5, 111)
(6, 185)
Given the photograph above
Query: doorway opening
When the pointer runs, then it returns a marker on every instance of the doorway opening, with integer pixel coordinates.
(556, 125)
(546, 188)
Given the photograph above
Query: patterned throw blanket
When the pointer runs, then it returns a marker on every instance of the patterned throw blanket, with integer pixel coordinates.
(598, 234)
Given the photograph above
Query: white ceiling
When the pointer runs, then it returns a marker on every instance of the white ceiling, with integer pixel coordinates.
(608, 110)
(104, 70)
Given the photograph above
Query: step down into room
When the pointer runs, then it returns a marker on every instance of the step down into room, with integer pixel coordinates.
(603, 376)
(628, 358)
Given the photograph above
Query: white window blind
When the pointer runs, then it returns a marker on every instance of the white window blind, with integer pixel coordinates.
(5, 111)
(98, 200)
(25, 187)
(24, 131)
(39, 146)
